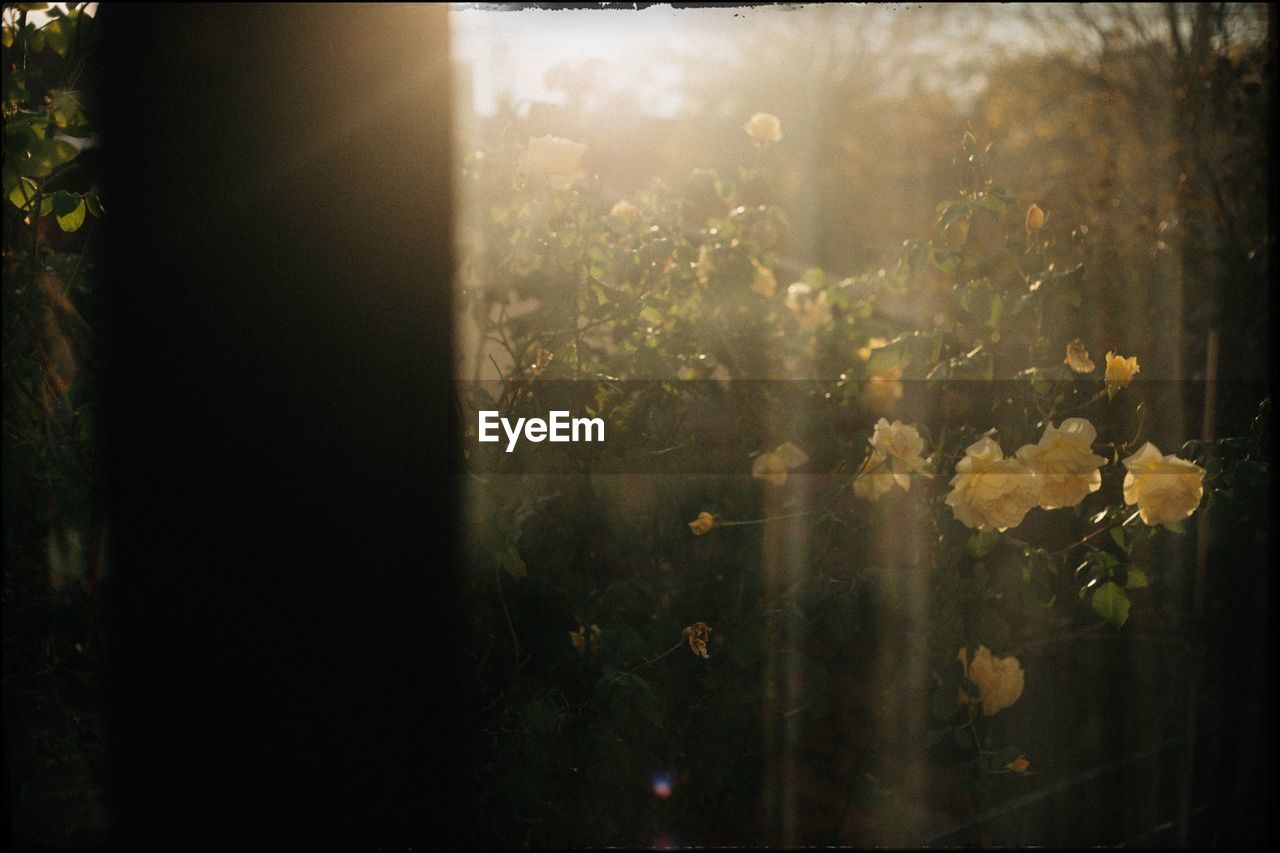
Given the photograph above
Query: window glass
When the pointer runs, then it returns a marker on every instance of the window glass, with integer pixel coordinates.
(864, 421)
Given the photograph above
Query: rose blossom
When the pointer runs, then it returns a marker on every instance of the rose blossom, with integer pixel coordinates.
(991, 492)
(1064, 460)
(1165, 488)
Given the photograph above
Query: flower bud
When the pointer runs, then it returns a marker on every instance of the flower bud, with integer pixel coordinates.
(1035, 218)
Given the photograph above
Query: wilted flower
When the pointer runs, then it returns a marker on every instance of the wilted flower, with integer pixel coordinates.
(625, 210)
(763, 128)
(556, 158)
(765, 283)
(991, 492)
(1120, 371)
(1165, 488)
(999, 679)
(697, 634)
(1035, 218)
(1078, 357)
(1065, 462)
(772, 467)
(579, 638)
(811, 312)
(703, 523)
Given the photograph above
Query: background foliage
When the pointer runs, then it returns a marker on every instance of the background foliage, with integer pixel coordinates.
(53, 519)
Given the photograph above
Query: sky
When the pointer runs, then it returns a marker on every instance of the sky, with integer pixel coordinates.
(511, 51)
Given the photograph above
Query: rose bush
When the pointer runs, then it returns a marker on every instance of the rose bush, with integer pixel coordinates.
(662, 315)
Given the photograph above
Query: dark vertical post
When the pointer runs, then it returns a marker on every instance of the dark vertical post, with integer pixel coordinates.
(279, 352)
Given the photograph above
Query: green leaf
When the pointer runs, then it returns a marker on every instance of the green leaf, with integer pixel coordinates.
(65, 202)
(23, 193)
(1136, 578)
(989, 203)
(1117, 536)
(950, 212)
(885, 357)
(981, 543)
(1111, 603)
(75, 218)
(996, 309)
(60, 33)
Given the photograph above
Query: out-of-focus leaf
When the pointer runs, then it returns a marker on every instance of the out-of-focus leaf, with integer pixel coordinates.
(42, 156)
(1111, 603)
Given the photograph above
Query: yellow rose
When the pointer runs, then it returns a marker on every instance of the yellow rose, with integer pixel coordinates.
(704, 522)
(1165, 488)
(991, 492)
(556, 158)
(625, 210)
(763, 128)
(1035, 218)
(772, 467)
(1078, 357)
(1000, 679)
(1120, 370)
(1065, 462)
(764, 283)
(900, 445)
(811, 312)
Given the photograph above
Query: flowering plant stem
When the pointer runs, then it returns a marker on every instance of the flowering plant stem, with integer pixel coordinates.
(762, 520)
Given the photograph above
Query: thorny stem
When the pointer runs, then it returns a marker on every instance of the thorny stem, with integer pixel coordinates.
(772, 518)
(1053, 412)
(651, 661)
(1067, 550)
(977, 742)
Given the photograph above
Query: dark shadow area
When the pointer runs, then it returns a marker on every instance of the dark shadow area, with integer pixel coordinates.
(278, 333)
